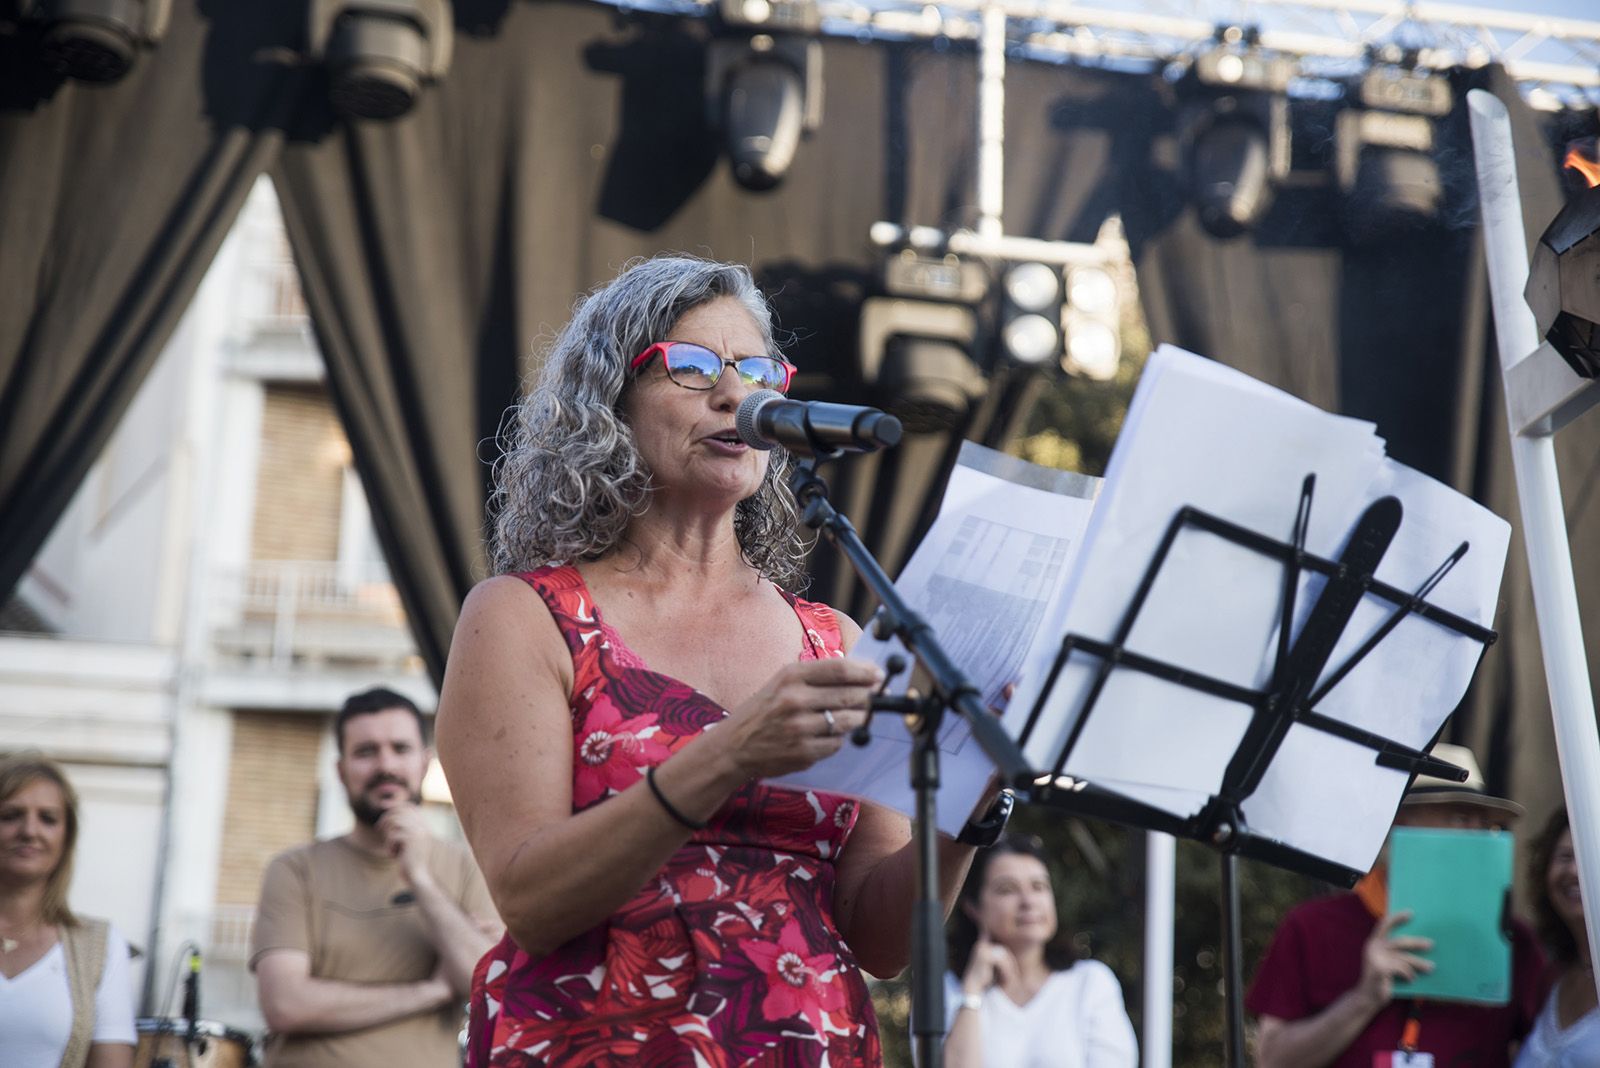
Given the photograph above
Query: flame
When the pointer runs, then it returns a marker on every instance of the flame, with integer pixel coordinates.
(1587, 168)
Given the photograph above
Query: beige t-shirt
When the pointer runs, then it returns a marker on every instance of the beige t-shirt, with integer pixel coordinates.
(354, 915)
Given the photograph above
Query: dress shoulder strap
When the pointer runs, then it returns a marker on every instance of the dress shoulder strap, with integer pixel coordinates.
(571, 605)
(822, 627)
(84, 944)
(564, 592)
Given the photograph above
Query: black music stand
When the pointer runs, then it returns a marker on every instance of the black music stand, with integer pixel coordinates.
(1291, 697)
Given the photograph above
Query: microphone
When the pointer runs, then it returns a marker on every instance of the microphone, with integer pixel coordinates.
(767, 418)
(191, 999)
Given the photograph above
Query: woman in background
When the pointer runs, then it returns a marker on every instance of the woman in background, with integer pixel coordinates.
(1567, 1031)
(1016, 995)
(65, 996)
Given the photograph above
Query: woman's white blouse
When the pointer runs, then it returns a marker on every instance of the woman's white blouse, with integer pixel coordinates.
(1549, 1046)
(36, 1006)
(1076, 1020)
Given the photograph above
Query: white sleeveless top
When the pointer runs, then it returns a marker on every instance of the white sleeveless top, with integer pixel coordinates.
(1549, 1046)
(1076, 1020)
(36, 1006)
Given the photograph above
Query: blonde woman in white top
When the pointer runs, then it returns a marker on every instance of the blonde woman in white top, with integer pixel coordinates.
(1016, 995)
(65, 997)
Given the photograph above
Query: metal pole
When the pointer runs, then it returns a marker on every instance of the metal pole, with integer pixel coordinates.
(992, 121)
(927, 935)
(1232, 964)
(1544, 523)
(1160, 882)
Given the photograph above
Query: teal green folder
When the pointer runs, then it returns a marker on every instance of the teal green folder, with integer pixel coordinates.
(1457, 885)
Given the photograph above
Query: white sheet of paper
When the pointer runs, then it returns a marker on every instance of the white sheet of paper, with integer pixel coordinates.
(985, 576)
(1201, 434)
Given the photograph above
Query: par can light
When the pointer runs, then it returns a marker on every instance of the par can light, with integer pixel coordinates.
(380, 53)
(96, 40)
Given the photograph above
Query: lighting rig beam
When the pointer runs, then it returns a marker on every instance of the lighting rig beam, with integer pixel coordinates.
(1329, 38)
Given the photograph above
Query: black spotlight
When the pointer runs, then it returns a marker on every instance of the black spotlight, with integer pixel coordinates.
(379, 53)
(97, 40)
(764, 84)
(917, 343)
(1234, 129)
(1383, 151)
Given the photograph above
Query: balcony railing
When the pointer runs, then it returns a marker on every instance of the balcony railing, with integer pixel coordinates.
(283, 613)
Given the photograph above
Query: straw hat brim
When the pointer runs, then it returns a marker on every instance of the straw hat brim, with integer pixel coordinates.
(1446, 796)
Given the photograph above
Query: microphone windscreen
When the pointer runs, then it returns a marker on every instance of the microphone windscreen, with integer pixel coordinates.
(744, 420)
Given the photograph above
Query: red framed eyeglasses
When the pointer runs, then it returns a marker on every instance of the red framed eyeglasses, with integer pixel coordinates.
(697, 367)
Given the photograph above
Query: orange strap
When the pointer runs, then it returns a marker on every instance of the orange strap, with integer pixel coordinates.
(1411, 1033)
(1373, 890)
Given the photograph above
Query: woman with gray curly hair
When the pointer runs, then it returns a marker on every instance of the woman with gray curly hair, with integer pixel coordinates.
(616, 695)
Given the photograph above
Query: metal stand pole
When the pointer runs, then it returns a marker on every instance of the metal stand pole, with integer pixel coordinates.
(1160, 875)
(1544, 523)
(927, 935)
(1232, 963)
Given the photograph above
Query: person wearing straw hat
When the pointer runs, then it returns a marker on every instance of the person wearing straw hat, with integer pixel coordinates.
(1324, 994)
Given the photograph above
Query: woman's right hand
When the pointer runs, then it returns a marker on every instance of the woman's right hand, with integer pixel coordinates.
(782, 728)
(990, 964)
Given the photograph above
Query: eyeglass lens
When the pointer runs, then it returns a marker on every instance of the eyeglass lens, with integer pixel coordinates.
(697, 367)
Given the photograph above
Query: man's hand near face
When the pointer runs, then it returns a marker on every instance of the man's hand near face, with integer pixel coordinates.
(407, 839)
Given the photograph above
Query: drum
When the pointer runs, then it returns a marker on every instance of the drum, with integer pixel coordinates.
(163, 1043)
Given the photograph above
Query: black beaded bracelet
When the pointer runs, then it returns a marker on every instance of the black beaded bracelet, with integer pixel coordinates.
(650, 778)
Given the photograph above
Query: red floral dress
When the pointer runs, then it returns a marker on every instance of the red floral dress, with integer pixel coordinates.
(729, 956)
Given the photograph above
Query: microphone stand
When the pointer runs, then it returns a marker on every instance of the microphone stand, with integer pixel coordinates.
(950, 689)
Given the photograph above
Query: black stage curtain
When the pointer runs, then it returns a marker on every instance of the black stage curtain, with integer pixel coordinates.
(568, 140)
(1397, 332)
(113, 201)
(438, 250)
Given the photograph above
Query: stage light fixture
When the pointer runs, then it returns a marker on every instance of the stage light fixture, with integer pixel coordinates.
(764, 84)
(1030, 314)
(1092, 321)
(96, 40)
(917, 343)
(1383, 151)
(1233, 126)
(380, 53)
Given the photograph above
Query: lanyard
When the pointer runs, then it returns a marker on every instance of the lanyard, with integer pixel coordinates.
(1412, 1031)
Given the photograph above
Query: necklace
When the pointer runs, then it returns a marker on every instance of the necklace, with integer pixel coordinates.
(7, 943)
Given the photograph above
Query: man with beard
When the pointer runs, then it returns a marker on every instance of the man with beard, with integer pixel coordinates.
(364, 945)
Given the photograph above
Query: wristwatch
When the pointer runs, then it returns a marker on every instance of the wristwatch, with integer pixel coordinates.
(985, 831)
(974, 1002)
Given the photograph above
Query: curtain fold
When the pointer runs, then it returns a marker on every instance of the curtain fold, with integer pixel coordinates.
(113, 201)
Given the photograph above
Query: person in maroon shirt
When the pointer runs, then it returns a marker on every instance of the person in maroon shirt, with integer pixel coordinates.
(1324, 994)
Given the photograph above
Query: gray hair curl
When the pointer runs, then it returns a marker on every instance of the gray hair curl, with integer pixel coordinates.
(570, 479)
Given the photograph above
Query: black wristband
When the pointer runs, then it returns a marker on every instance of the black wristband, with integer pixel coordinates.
(986, 831)
(650, 779)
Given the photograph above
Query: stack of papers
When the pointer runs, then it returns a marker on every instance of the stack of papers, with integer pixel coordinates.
(990, 571)
(1199, 434)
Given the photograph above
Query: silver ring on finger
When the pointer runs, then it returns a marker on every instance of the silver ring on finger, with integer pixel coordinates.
(827, 717)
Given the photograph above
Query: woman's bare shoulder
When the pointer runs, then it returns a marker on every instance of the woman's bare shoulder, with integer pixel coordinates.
(504, 614)
(505, 600)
